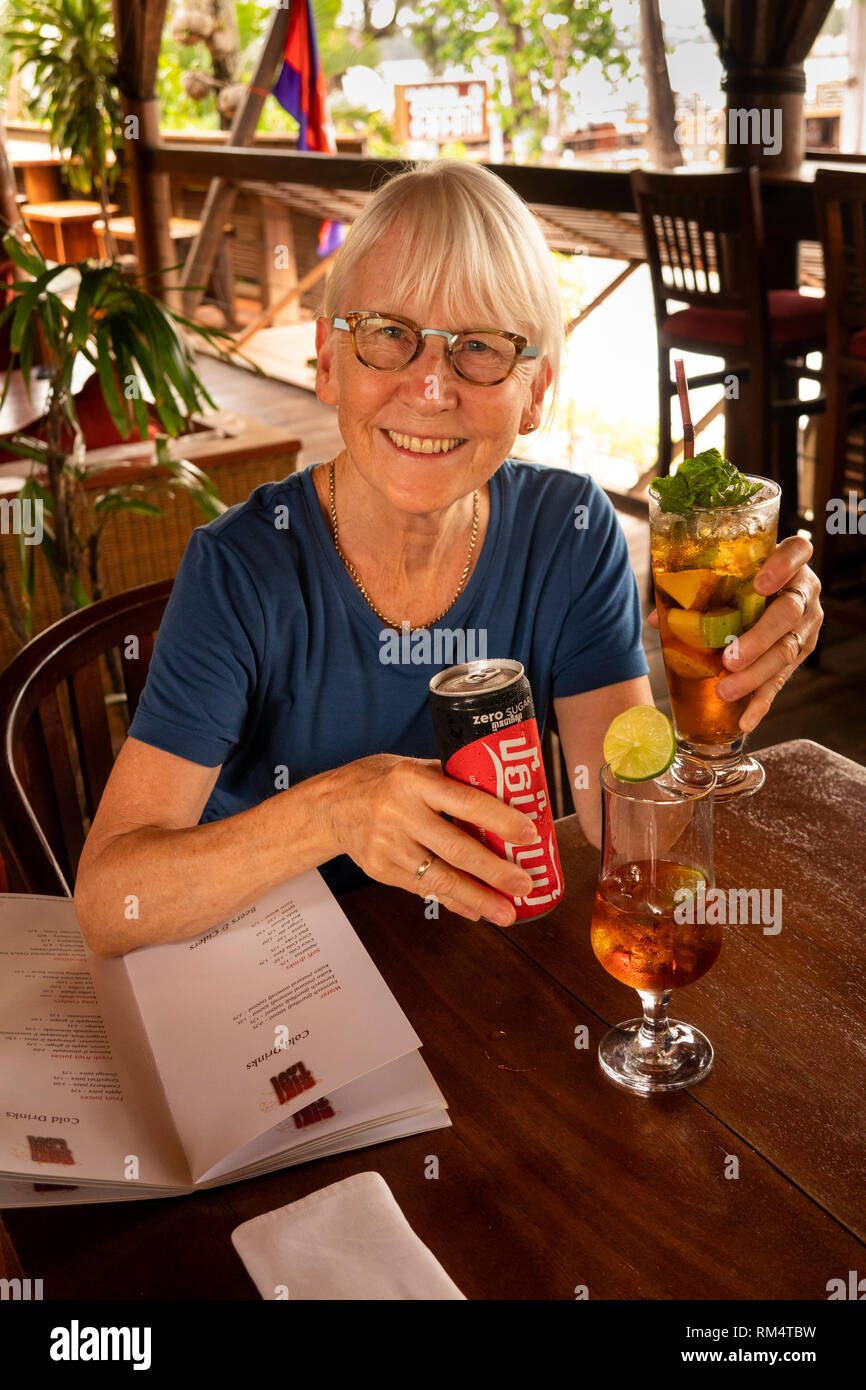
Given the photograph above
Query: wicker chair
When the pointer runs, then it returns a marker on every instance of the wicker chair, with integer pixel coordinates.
(704, 241)
(139, 550)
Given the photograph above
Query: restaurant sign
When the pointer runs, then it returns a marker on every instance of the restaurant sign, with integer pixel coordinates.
(441, 111)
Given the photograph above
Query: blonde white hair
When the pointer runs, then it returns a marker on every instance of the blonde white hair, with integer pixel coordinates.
(469, 239)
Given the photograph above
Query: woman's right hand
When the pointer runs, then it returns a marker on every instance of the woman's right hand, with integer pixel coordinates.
(385, 813)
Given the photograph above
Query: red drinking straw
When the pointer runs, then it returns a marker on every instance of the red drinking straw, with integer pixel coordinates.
(683, 393)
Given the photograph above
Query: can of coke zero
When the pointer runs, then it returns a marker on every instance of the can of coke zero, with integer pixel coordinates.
(487, 737)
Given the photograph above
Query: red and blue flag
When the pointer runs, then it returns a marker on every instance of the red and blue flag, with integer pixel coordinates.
(300, 89)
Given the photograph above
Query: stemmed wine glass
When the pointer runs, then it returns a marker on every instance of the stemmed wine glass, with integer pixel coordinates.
(656, 864)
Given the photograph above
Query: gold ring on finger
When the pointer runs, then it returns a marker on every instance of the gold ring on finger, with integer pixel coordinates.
(419, 873)
(799, 640)
(792, 589)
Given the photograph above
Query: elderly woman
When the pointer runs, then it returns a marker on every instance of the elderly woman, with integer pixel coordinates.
(279, 729)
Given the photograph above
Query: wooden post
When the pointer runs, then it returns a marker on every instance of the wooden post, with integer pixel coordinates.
(765, 120)
(294, 292)
(8, 206)
(138, 34)
(221, 195)
(600, 298)
(764, 45)
(280, 269)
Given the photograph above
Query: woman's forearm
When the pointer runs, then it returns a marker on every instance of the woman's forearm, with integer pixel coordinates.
(152, 884)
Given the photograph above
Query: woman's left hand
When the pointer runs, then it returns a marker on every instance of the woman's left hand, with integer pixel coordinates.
(764, 657)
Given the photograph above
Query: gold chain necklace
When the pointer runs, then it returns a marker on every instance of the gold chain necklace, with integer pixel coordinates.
(359, 582)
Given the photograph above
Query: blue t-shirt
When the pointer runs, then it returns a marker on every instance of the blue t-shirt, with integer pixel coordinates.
(269, 662)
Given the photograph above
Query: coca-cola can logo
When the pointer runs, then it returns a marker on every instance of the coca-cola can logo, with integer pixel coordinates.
(509, 766)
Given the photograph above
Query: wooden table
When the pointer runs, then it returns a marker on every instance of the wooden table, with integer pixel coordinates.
(181, 230)
(63, 231)
(23, 406)
(552, 1177)
(41, 168)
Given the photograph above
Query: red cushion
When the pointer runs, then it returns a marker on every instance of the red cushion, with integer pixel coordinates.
(97, 426)
(857, 345)
(793, 318)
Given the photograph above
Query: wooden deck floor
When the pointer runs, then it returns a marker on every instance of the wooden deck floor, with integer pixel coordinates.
(824, 703)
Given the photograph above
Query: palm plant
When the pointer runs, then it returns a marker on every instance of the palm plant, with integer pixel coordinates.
(130, 339)
(66, 50)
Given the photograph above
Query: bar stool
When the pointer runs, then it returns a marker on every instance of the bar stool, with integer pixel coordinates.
(704, 242)
(840, 202)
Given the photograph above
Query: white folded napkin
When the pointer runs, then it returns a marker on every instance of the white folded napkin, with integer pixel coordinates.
(348, 1241)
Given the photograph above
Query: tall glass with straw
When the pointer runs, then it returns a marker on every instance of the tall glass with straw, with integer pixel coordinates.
(711, 529)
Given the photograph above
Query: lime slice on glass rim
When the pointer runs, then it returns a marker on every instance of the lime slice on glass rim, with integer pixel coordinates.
(639, 744)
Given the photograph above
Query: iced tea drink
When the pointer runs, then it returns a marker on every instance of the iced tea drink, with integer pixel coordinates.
(704, 562)
(656, 858)
(635, 934)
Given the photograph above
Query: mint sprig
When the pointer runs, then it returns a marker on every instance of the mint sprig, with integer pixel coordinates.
(707, 480)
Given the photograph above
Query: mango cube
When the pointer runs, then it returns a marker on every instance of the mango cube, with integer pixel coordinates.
(691, 664)
(689, 588)
(687, 627)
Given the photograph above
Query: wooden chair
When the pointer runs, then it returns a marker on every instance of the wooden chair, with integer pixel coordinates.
(64, 231)
(704, 244)
(57, 744)
(840, 200)
(182, 230)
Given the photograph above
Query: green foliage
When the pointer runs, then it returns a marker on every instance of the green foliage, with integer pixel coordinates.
(120, 329)
(339, 49)
(537, 56)
(179, 112)
(134, 344)
(834, 24)
(380, 139)
(707, 480)
(68, 66)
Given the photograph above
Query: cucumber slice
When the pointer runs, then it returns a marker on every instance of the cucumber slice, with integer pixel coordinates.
(719, 624)
(751, 604)
(710, 556)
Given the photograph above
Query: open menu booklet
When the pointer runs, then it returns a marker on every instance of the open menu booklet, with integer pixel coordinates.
(269, 1040)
